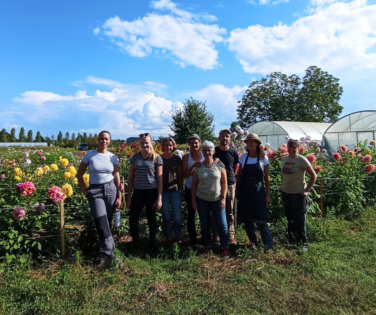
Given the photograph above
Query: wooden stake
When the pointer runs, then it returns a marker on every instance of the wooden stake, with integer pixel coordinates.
(321, 198)
(123, 193)
(62, 227)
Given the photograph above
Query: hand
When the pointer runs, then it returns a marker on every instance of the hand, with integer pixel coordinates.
(222, 204)
(194, 205)
(267, 200)
(182, 197)
(118, 202)
(304, 193)
(197, 164)
(129, 202)
(158, 203)
(216, 160)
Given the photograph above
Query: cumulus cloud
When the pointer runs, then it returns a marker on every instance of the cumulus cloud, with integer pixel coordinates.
(177, 35)
(333, 36)
(268, 2)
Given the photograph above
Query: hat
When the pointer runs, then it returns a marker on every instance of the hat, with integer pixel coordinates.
(228, 130)
(253, 136)
(194, 136)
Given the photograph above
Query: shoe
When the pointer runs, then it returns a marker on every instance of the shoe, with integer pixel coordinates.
(233, 240)
(225, 253)
(252, 246)
(117, 261)
(177, 240)
(207, 251)
(305, 248)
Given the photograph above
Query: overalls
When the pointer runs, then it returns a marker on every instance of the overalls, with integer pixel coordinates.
(252, 206)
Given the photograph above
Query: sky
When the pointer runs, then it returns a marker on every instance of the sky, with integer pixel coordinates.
(127, 65)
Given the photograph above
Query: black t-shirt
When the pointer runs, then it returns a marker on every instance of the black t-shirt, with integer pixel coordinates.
(228, 158)
(170, 173)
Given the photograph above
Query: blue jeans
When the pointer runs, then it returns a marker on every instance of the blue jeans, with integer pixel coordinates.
(173, 199)
(249, 228)
(219, 216)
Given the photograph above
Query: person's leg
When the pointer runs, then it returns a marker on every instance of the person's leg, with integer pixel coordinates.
(110, 194)
(230, 203)
(221, 223)
(204, 215)
(137, 204)
(249, 228)
(176, 212)
(300, 209)
(150, 199)
(265, 234)
(99, 212)
(191, 221)
(166, 214)
(289, 212)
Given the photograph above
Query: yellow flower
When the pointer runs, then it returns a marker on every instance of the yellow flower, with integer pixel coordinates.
(46, 168)
(17, 178)
(75, 181)
(67, 190)
(54, 167)
(39, 171)
(64, 162)
(67, 175)
(17, 171)
(72, 170)
(86, 179)
(60, 158)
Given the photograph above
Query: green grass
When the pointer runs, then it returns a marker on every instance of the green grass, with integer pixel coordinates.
(336, 276)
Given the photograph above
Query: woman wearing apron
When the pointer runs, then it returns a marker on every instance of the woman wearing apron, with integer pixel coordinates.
(253, 178)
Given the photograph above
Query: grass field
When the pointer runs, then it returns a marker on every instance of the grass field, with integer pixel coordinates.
(336, 276)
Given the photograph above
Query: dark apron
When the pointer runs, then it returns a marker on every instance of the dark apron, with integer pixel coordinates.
(252, 201)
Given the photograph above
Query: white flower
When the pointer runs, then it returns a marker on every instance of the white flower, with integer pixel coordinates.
(240, 131)
(233, 135)
(308, 138)
(324, 151)
(318, 144)
(318, 150)
(246, 133)
(237, 128)
(27, 162)
(302, 138)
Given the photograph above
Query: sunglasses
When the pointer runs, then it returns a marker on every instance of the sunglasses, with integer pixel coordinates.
(144, 135)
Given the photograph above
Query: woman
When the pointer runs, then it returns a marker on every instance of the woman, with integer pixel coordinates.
(104, 193)
(295, 192)
(146, 179)
(253, 177)
(172, 189)
(209, 190)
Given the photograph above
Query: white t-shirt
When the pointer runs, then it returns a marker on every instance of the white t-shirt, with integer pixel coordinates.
(101, 166)
(263, 162)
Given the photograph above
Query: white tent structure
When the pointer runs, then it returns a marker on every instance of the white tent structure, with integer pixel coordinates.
(350, 129)
(274, 132)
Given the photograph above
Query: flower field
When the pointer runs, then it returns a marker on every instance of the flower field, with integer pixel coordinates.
(34, 182)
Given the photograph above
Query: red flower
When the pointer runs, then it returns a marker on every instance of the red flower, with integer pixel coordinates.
(344, 148)
(128, 156)
(133, 145)
(311, 158)
(356, 150)
(337, 156)
(301, 149)
(318, 168)
(352, 153)
(282, 149)
(367, 159)
(83, 152)
(271, 155)
(369, 168)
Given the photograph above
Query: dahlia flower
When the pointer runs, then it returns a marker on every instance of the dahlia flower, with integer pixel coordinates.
(43, 158)
(64, 162)
(337, 156)
(26, 154)
(282, 149)
(246, 133)
(237, 128)
(133, 146)
(75, 181)
(54, 167)
(372, 142)
(351, 153)
(19, 160)
(318, 168)
(122, 146)
(318, 144)
(39, 171)
(367, 159)
(324, 151)
(311, 158)
(318, 150)
(344, 148)
(67, 175)
(67, 190)
(86, 178)
(356, 150)
(17, 171)
(55, 194)
(17, 178)
(19, 213)
(27, 162)
(26, 188)
(121, 187)
(2, 176)
(39, 207)
(72, 170)
(369, 168)
(39, 153)
(301, 149)
(360, 156)
(233, 135)
(46, 168)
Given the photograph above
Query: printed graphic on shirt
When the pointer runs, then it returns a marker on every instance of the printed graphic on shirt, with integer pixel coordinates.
(288, 168)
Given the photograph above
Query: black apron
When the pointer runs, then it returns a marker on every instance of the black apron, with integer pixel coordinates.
(251, 204)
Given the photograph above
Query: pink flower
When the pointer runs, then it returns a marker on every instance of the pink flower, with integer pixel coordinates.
(282, 149)
(301, 149)
(55, 194)
(311, 158)
(39, 207)
(367, 159)
(2, 176)
(121, 187)
(19, 213)
(360, 156)
(372, 142)
(369, 168)
(19, 160)
(246, 133)
(26, 188)
(344, 148)
(271, 155)
(318, 168)
(133, 146)
(26, 154)
(39, 153)
(237, 128)
(351, 153)
(337, 156)
(122, 146)
(43, 158)
(356, 150)
(234, 135)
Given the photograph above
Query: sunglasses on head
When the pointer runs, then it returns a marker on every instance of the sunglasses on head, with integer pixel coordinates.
(144, 135)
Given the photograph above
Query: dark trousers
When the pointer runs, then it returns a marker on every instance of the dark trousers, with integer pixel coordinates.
(143, 198)
(295, 211)
(249, 227)
(191, 222)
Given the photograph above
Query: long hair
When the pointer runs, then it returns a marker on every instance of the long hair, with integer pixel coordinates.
(259, 151)
(153, 155)
(169, 139)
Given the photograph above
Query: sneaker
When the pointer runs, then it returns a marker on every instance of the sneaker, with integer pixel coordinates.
(225, 253)
(233, 240)
(207, 251)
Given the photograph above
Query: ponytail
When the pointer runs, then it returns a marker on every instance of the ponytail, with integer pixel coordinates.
(153, 155)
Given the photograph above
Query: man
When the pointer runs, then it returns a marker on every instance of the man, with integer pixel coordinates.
(190, 161)
(230, 158)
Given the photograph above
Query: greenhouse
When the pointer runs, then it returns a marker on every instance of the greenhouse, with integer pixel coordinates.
(275, 132)
(350, 129)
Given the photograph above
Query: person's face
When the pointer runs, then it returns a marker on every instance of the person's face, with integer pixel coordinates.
(224, 138)
(252, 145)
(145, 143)
(104, 140)
(168, 147)
(292, 149)
(194, 144)
(207, 152)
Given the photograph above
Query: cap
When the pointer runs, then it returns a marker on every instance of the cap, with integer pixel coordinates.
(252, 136)
(228, 130)
(194, 136)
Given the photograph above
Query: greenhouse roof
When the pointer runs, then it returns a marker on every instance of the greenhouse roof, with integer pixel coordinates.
(358, 121)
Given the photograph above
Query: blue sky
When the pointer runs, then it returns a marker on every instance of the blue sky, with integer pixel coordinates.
(126, 65)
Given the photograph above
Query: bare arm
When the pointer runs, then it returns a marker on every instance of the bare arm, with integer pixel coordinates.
(235, 167)
(267, 184)
(80, 173)
(194, 190)
(223, 189)
(180, 183)
(158, 203)
(238, 179)
(116, 175)
(312, 180)
(130, 186)
(186, 172)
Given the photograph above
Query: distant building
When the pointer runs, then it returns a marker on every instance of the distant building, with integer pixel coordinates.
(23, 144)
(132, 139)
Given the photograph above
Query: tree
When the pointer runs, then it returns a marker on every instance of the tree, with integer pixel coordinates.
(30, 136)
(21, 136)
(3, 135)
(38, 137)
(84, 138)
(59, 137)
(67, 136)
(13, 135)
(79, 138)
(192, 118)
(289, 98)
(90, 136)
(73, 136)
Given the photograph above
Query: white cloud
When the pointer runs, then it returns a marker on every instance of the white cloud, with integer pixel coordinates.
(334, 36)
(41, 97)
(96, 31)
(177, 36)
(268, 2)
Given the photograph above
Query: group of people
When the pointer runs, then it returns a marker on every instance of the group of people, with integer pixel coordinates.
(215, 177)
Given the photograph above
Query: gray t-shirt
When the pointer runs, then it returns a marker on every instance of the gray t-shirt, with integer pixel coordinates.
(101, 166)
(209, 181)
(145, 171)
